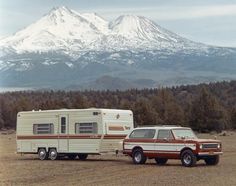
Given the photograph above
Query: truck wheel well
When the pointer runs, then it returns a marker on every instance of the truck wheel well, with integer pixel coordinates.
(137, 147)
(184, 149)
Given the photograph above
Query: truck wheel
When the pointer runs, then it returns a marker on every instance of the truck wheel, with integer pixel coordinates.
(188, 159)
(53, 154)
(161, 161)
(138, 157)
(212, 160)
(83, 156)
(72, 156)
(42, 153)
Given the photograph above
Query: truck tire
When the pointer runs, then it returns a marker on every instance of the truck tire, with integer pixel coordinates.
(138, 156)
(53, 154)
(42, 154)
(161, 161)
(188, 159)
(212, 160)
(83, 156)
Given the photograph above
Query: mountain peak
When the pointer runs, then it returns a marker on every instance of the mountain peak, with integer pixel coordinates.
(132, 26)
(130, 17)
(60, 12)
(66, 30)
(60, 9)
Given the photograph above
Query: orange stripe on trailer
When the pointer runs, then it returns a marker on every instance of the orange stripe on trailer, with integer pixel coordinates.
(114, 136)
(116, 128)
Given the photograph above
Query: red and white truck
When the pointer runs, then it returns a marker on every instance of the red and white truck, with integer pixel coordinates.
(170, 142)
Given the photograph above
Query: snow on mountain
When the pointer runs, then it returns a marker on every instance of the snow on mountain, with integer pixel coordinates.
(66, 48)
(139, 27)
(60, 29)
(69, 32)
(100, 23)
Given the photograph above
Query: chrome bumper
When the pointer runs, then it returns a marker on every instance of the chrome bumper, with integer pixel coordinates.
(209, 153)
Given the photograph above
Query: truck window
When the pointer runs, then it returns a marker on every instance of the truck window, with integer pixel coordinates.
(143, 133)
(165, 134)
(86, 128)
(43, 128)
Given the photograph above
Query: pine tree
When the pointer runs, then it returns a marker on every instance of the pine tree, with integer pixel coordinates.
(207, 113)
(233, 118)
(167, 108)
(144, 114)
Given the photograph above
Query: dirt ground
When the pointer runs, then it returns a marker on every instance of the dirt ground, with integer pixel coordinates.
(111, 170)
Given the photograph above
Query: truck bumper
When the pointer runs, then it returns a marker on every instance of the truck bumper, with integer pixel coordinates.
(209, 153)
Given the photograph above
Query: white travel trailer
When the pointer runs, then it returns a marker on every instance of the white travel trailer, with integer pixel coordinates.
(72, 132)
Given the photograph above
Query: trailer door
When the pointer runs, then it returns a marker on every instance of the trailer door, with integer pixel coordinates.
(63, 133)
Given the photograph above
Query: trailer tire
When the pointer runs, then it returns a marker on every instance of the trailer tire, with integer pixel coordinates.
(42, 154)
(53, 154)
(83, 156)
(72, 156)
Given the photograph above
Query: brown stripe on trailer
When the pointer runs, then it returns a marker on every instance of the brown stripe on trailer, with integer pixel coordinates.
(37, 137)
(59, 137)
(24, 137)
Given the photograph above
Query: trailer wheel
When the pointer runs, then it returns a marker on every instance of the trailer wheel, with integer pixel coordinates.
(53, 154)
(42, 154)
(83, 156)
(72, 156)
(138, 156)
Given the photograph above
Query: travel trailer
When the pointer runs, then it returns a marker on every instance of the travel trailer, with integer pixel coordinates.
(72, 132)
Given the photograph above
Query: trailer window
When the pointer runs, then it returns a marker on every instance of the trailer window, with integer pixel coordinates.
(44, 128)
(142, 133)
(63, 125)
(86, 128)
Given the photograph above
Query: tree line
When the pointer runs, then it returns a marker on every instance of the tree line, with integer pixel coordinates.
(204, 107)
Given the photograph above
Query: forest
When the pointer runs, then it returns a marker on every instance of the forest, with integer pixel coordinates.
(204, 107)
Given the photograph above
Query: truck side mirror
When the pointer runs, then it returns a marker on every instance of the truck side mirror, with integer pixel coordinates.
(165, 139)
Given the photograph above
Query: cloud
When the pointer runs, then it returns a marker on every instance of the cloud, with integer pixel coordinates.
(208, 11)
(173, 12)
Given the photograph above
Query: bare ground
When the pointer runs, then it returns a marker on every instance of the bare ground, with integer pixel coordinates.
(111, 170)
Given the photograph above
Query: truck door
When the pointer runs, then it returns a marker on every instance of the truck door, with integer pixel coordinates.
(63, 132)
(164, 143)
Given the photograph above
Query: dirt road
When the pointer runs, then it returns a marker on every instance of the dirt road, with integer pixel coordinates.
(111, 170)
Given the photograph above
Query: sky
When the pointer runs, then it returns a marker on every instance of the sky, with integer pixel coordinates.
(208, 21)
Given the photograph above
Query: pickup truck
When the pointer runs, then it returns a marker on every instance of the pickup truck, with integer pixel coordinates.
(170, 142)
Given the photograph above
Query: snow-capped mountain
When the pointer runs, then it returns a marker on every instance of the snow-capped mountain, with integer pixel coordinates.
(67, 31)
(84, 47)
(61, 29)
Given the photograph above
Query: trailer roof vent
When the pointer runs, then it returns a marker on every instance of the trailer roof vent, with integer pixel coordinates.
(95, 113)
